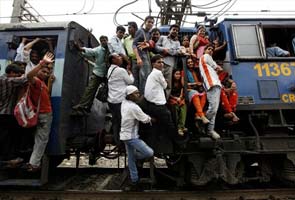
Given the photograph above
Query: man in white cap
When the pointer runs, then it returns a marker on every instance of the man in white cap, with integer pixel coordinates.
(136, 148)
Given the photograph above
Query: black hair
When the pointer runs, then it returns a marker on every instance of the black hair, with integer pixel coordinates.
(111, 56)
(103, 37)
(19, 63)
(174, 26)
(155, 30)
(148, 17)
(155, 58)
(13, 67)
(209, 45)
(120, 28)
(133, 24)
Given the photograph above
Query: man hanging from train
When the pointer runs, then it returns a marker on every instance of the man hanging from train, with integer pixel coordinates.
(40, 91)
(136, 148)
(9, 82)
(169, 48)
(208, 69)
(101, 54)
(26, 53)
(118, 79)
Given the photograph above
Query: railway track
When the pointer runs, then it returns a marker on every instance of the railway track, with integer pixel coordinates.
(259, 194)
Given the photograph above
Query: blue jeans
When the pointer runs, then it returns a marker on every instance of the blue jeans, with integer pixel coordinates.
(136, 149)
(213, 98)
(144, 71)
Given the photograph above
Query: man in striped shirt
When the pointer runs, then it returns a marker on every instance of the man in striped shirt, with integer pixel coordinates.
(208, 69)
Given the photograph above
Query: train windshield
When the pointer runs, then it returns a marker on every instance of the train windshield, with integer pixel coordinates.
(254, 41)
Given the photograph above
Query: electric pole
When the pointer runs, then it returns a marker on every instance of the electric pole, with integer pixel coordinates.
(24, 12)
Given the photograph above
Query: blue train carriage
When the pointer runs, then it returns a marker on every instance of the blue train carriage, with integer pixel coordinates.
(71, 72)
(262, 145)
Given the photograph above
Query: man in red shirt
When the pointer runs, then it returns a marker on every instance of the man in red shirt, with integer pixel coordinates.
(38, 88)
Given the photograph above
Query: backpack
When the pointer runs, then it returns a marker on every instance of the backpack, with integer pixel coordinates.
(102, 92)
(25, 112)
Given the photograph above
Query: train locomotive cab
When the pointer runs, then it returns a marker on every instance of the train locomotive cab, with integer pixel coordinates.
(261, 145)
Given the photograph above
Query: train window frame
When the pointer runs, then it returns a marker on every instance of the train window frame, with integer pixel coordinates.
(287, 31)
(259, 38)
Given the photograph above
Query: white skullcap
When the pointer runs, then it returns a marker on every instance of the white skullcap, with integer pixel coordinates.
(130, 89)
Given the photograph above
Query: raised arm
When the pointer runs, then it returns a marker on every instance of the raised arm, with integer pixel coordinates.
(48, 58)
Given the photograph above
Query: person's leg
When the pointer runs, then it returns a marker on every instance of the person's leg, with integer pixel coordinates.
(131, 161)
(182, 116)
(213, 96)
(167, 72)
(135, 73)
(6, 138)
(89, 93)
(142, 150)
(197, 104)
(41, 138)
(233, 100)
(116, 120)
(144, 71)
(225, 102)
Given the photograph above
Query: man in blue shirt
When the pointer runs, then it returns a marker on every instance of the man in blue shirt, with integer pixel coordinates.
(275, 51)
(100, 54)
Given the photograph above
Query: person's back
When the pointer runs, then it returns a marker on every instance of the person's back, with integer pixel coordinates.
(8, 85)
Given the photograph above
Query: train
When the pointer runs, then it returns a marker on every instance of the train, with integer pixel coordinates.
(261, 147)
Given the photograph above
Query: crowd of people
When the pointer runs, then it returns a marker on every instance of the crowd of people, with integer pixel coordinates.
(30, 71)
(140, 67)
(144, 67)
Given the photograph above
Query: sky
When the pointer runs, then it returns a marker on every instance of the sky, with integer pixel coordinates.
(98, 14)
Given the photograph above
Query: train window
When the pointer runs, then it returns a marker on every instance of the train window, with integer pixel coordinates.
(281, 38)
(248, 41)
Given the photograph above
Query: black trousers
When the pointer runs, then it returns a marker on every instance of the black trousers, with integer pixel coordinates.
(116, 120)
(164, 126)
(9, 137)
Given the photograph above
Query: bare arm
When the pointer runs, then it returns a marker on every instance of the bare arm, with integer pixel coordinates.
(29, 46)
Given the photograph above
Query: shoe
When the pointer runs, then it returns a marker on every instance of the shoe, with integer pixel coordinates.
(184, 129)
(32, 168)
(133, 186)
(180, 132)
(214, 135)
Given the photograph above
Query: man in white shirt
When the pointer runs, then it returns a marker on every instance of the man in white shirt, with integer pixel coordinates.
(118, 79)
(212, 84)
(27, 55)
(116, 45)
(136, 148)
(156, 100)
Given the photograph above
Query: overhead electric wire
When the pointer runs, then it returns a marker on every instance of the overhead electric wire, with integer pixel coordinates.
(208, 3)
(81, 8)
(215, 6)
(221, 12)
(92, 7)
(115, 15)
